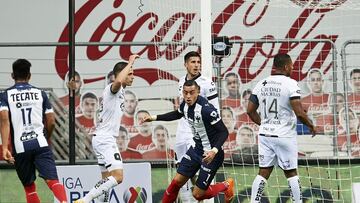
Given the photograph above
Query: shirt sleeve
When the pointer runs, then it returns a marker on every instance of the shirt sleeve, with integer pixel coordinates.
(294, 90)
(46, 103)
(3, 102)
(210, 114)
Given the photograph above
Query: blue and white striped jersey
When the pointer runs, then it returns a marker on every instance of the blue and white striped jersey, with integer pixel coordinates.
(27, 106)
(201, 116)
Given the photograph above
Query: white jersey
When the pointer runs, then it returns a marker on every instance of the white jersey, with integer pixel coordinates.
(274, 94)
(208, 91)
(27, 106)
(110, 112)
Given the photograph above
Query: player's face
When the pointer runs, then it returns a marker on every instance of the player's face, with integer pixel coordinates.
(144, 128)
(245, 138)
(190, 94)
(355, 81)
(340, 102)
(78, 84)
(89, 106)
(129, 78)
(289, 67)
(228, 119)
(315, 82)
(193, 66)
(245, 101)
(233, 86)
(122, 140)
(161, 136)
(130, 104)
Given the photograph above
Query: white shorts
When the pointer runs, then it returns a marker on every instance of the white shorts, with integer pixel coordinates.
(282, 151)
(107, 153)
(184, 139)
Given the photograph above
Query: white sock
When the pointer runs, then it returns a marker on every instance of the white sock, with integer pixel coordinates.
(257, 188)
(104, 198)
(100, 188)
(295, 189)
(185, 193)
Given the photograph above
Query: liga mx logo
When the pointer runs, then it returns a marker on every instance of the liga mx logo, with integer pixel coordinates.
(135, 195)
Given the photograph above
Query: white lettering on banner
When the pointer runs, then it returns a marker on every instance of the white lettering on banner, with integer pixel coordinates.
(78, 180)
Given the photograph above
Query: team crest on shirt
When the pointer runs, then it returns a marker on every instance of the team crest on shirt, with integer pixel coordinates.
(214, 114)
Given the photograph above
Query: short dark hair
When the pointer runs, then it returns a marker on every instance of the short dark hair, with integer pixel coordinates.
(88, 95)
(141, 111)
(229, 109)
(21, 69)
(129, 92)
(246, 92)
(281, 60)
(191, 54)
(119, 67)
(75, 74)
(109, 74)
(189, 83)
(356, 70)
(161, 127)
(228, 74)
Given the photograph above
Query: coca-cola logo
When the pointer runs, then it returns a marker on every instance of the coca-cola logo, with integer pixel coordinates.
(321, 6)
(240, 62)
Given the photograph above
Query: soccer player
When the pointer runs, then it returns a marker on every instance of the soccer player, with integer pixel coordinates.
(192, 63)
(278, 100)
(107, 129)
(209, 134)
(27, 116)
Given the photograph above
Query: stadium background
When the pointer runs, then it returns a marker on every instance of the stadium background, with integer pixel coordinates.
(319, 35)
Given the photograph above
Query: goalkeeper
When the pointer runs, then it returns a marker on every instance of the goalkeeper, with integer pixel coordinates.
(209, 134)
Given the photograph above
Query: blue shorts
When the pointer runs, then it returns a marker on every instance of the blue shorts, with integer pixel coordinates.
(40, 159)
(192, 162)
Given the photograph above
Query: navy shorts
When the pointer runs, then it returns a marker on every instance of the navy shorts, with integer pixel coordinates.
(40, 159)
(192, 162)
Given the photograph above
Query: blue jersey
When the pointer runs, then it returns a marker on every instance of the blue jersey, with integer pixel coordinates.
(27, 106)
(201, 117)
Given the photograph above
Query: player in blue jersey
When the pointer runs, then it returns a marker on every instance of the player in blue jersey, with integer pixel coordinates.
(26, 114)
(206, 156)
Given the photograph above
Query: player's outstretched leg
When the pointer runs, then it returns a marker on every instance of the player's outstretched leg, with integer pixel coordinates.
(171, 192)
(213, 190)
(31, 194)
(103, 185)
(295, 189)
(57, 189)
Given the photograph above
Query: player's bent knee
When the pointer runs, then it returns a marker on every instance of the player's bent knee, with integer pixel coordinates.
(118, 175)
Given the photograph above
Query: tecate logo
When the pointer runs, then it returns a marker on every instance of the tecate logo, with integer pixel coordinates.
(219, 46)
(133, 195)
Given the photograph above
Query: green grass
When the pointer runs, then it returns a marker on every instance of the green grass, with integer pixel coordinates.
(335, 180)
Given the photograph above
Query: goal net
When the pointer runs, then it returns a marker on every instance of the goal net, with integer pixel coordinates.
(311, 32)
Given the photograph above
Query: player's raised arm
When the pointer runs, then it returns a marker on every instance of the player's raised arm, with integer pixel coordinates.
(120, 77)
(301, 115)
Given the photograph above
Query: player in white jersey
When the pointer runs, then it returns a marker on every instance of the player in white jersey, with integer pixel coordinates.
(107, 129)
(277, 98)
(26, 114)
(192, 63)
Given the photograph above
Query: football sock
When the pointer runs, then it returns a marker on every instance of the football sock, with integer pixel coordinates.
(171, 192)
(100, 188)
(295, 189)
(31, 194)
(185, 193)
(257, 188)
(104, 198)
(213, 190)
(57, 189)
